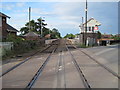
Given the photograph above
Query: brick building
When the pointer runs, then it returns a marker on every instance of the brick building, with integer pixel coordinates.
(6, 29)
(106, 36)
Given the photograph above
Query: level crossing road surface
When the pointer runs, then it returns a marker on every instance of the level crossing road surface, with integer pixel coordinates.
(62, 66)
(107, 55)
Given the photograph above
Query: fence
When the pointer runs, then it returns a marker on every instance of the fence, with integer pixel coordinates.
(49, 41)
(5, 46)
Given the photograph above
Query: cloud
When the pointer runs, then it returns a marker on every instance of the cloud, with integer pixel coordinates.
(59, 0)
(8, 7)
(66, 16)
(69, 11)
(11, 6)
(20, 4)
(41, 12)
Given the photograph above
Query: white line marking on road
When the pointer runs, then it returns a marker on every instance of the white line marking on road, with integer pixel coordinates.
(68, 63)
(40, 58)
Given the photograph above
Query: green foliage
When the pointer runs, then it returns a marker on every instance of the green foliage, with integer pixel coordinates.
(55, 34)
(14, 39)
(82, 46)
(70, 36)
(20, 46)
(36, 27)
(24, 30)
(115, 37)
(45, 31)
(99, 35)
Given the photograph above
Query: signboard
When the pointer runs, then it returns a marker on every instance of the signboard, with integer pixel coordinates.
(95, 28)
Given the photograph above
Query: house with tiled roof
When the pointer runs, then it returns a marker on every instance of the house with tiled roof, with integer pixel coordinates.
(5, 28)
(31, 36)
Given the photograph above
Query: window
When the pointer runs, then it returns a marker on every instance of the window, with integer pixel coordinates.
(89, 28)
(92, 28)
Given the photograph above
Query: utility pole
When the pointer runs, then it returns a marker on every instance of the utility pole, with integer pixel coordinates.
(85, 36)
(82, 20)
(42, 20)
(29, 17)
(41, 27)
(82, 29)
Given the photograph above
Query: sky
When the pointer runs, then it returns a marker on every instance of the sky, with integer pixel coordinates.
(64, 16)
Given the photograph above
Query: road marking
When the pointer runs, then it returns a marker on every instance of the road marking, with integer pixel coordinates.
(68, 63)
(40, 58)
(103, 51)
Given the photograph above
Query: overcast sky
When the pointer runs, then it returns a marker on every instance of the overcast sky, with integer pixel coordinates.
(65, 16)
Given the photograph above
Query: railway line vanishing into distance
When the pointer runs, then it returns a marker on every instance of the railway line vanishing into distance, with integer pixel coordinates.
(59, 69)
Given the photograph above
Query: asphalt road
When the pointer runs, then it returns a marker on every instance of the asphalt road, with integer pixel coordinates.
(61, 72)
(107, 55)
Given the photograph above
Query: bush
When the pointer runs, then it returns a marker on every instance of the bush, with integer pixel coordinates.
(20, 45)
(82, 46)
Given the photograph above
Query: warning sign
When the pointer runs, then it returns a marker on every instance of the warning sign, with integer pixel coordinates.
(95, 28)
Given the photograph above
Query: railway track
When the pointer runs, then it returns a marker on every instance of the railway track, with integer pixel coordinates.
(61, 68)
(28, 58)
(35, 77)
(60, 71)
(84, 79)
(102, 65)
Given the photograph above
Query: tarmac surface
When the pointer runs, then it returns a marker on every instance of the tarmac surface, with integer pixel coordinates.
(60, 71)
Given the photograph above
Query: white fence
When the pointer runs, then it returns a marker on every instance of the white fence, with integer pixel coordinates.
(49, 41)
(5, 46)
(74, 41)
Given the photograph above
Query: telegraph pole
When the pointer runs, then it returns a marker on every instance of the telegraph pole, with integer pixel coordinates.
(41, 27)
(29, 17)
(85, 36)
(82, 28)
(82, 20)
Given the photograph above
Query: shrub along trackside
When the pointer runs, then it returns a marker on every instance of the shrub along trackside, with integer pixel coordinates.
(21, 46)
(82, 46)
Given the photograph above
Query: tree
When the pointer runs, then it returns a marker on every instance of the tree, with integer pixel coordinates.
(70, 36)
(45, 31)
(115, 37)
(40, 22)
(55, 34)
(33, 26)
(99, 35)
(36, 27)
(24, 30)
